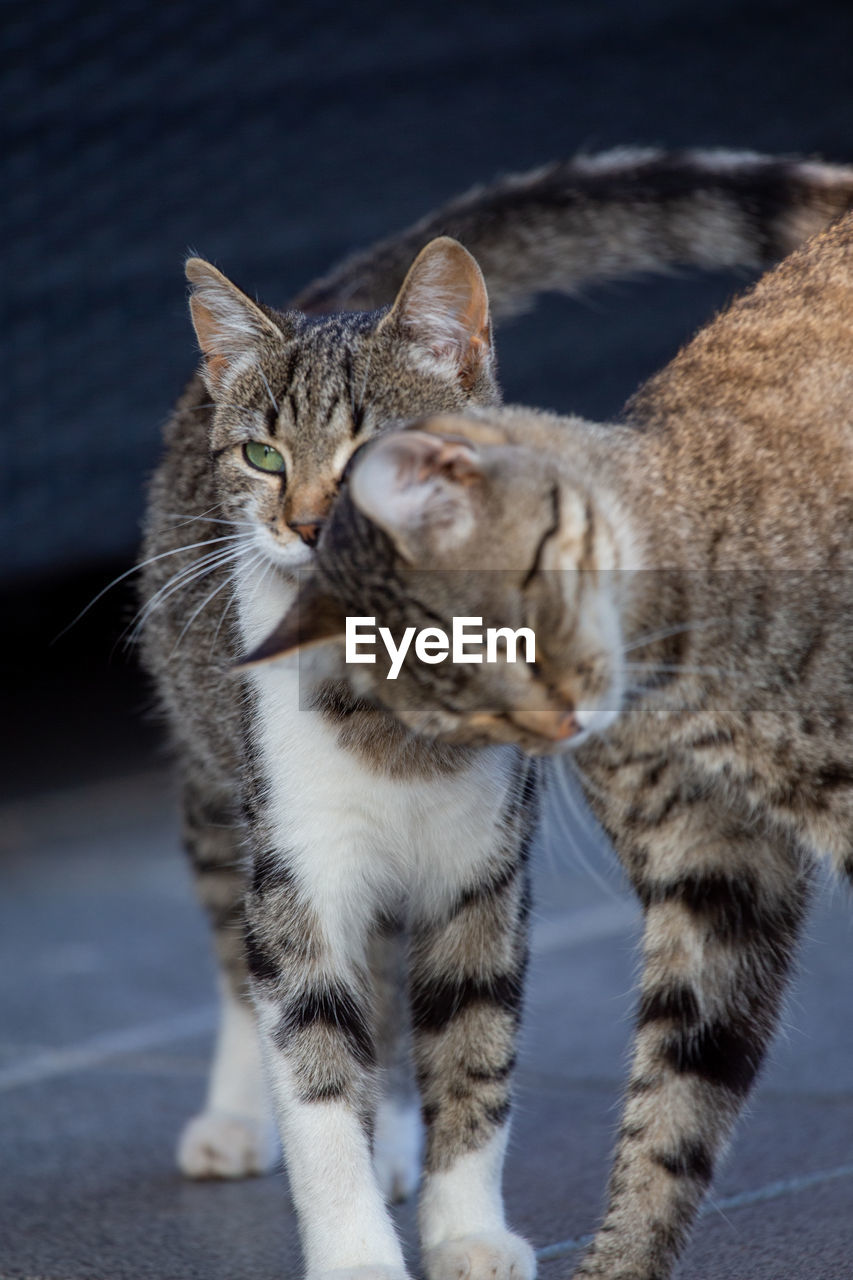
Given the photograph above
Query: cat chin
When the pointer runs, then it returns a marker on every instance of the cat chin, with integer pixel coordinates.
(288, 558)
(593, 720)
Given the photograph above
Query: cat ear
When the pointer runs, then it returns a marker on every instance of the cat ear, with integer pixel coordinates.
(419, 488)
(313, 618)
(443, 310)
(228, 324)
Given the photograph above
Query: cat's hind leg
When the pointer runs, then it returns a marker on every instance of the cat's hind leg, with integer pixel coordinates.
(724, 902)
(234, 1136)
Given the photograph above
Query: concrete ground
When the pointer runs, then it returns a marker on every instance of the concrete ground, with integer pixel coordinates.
(107, 997)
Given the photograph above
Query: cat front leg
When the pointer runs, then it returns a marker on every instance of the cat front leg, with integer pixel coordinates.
(313, 993)
(397, 1137)
(467, 979)
(234, 1136)
(724, 902)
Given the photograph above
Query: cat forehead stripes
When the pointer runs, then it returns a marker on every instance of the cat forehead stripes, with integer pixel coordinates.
(440, 319)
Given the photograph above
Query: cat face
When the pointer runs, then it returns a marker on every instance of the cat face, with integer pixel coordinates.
(449, 520)
(294, 397)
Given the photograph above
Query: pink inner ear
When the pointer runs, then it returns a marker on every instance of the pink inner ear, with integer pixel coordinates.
(417, 456)
(457, 461)
(476, 316)
(444, 306)
(228, 324)
(207, 332)
(399, 474)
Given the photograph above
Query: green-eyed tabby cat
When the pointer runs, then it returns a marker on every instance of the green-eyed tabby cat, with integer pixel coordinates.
(347, 824)
(688, 576)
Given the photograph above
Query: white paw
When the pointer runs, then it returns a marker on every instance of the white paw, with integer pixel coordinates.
(499, 1255)
(219, 1144)
(397, 1149)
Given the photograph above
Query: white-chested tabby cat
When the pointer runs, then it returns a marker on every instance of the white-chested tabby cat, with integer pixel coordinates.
(349, 823)
(688, 575)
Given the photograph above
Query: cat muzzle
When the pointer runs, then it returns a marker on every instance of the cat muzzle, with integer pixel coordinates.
(554, 724)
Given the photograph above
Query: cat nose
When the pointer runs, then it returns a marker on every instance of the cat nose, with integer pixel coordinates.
(556, 723)
(308, 530)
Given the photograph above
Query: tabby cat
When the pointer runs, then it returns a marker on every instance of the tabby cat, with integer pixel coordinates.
(687, 575)
(348, 824)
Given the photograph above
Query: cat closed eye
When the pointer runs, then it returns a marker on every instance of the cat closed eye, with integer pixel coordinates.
(263, 457)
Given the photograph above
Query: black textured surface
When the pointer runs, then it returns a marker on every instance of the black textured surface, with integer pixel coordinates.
(274, 138)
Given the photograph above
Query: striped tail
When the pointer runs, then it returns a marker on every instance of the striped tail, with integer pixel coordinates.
(602, 217)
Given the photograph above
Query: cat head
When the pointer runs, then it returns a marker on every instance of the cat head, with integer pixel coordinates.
(294, 397)
(454, 518)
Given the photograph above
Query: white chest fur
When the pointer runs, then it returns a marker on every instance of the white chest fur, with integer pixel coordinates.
(354, 836)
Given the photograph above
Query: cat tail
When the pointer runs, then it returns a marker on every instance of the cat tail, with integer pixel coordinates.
(601, 217)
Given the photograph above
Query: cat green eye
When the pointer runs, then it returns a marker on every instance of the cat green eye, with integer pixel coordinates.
(263, 457)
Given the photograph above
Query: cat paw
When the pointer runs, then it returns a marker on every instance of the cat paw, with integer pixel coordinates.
(219, 1144)
(499, 1255)
(397, 1150)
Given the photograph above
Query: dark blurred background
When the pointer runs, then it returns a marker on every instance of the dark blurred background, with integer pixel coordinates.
(273, 138)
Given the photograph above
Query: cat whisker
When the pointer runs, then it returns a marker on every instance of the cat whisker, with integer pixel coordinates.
(199, 515)
(195, 613)
(185, 518)
(553, 823)
(190, 573)
(232, 582)
(229, 581)
(238, 542)
(652, 637)
(181, 579)
(584, 780)
(273, 400)
(135, 569)
(224, 404)
(654, 668)
(222, 617)
(559, 784)
(261, 580)
(633, 691)
(177, 515)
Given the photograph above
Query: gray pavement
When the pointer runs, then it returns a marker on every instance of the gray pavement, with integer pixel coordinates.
(106, 1015)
